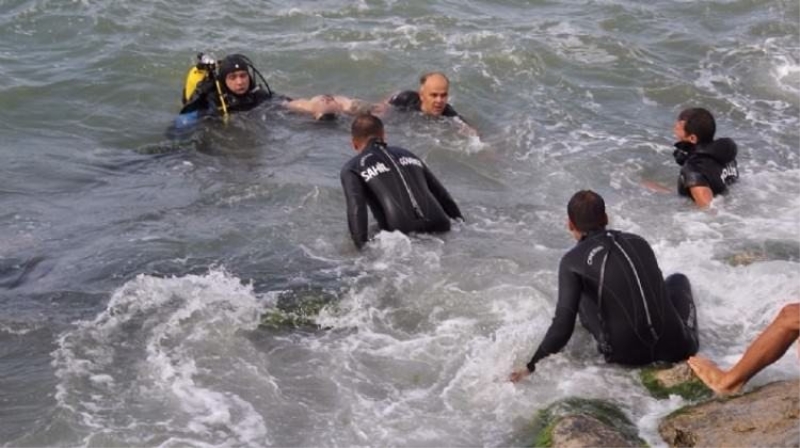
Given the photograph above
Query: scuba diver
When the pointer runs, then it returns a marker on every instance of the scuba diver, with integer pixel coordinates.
(235, 85)
(220, 89)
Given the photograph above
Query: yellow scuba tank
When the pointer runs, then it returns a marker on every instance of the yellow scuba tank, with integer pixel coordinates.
(194, 77)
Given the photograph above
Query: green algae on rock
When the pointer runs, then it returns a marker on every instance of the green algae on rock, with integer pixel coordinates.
(579, 422)
(297, 309)
(663, 380)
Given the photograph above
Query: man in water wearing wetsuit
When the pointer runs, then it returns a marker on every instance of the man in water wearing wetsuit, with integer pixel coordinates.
(397, 186)
(708, 165)
(611, 280)
(430, 99)
(240, 93)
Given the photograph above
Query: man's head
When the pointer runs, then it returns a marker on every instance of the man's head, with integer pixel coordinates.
(695, 125)
(587, 212)
(365, 128)
(433, 91)
(234, 70)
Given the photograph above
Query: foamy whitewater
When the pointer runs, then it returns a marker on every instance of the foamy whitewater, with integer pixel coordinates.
(135, 269)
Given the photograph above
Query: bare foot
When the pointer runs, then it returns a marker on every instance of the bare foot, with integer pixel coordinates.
(710, 374)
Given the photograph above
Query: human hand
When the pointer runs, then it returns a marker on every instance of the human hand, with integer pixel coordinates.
(519, 375)
(205, 87)
(468, 130)
(379, 109)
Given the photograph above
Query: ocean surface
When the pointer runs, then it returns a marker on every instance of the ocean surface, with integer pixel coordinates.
(135, 267)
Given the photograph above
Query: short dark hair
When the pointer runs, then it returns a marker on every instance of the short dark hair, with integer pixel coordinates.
(587, 211)
(425, 76)
(699, 122)
(366, 126)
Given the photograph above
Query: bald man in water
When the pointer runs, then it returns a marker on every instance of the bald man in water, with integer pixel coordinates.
(430, 99)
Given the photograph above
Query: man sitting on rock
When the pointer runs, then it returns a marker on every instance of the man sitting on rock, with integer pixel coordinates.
(611, 280)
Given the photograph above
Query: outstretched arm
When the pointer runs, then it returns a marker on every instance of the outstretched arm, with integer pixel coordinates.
(560, 331)
(441, 195)
(199, 100)
(465, 128)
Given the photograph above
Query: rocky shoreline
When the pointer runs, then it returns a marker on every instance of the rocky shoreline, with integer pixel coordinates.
(768, 416)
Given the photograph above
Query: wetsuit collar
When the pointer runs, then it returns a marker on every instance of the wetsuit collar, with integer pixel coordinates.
(592, 234)
(375, 141)
(685, 146)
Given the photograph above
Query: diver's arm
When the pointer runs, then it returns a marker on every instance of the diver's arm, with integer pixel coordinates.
(697, 184)
(399, 98)
(563, 324)
(702, 196)
(442, 195)
(357, 219)
(199, 100)
(380, 109)
(465, 128)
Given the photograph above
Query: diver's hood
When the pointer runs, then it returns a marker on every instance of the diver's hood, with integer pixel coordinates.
(232, 63)
(723, 150)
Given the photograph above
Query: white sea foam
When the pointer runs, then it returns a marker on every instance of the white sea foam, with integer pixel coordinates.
(172, 332)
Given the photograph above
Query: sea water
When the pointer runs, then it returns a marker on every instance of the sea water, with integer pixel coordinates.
(135, 268)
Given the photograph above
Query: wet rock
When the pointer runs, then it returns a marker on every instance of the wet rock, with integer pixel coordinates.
(577, 422)
(296, 309)
(576, 431)
(678, 379)
(747, 252)
(766, 417)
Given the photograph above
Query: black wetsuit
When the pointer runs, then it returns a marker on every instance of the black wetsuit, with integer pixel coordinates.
(410, 201)
(711, 165)
(628, 328)
(408, 100)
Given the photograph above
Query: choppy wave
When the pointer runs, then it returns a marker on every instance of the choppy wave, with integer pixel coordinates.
(152, 359)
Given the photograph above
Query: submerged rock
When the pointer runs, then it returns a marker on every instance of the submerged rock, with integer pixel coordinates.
(766, 417)
(678, 379)
(297, 308)
(578, 422)
(747, 252)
